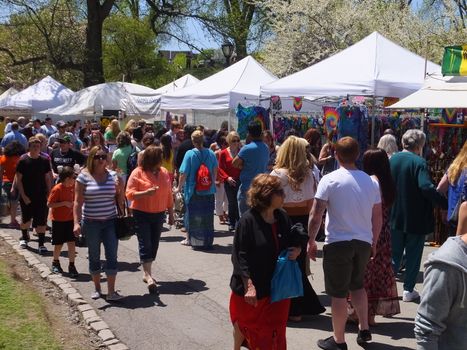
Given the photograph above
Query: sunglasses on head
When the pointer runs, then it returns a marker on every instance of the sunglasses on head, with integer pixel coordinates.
(100, 157)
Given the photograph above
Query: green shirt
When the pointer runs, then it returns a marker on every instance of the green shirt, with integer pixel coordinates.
(121, 157)
(109, 136)
(412, 211)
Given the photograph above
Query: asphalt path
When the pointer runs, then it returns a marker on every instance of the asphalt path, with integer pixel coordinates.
(191, 311)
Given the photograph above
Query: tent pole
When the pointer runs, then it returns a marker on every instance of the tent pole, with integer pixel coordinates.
(373, 120)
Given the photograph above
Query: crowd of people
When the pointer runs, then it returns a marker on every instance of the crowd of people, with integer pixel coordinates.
(373, 220)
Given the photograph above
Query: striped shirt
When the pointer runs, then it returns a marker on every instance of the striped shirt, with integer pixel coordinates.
(99, 198)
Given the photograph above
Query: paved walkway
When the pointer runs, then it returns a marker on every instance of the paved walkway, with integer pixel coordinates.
(191, 311)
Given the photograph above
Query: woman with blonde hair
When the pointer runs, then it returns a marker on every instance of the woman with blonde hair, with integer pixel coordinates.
(130, 125)
(295, 173)
(111, 134)
(388, 143)
(454, 181)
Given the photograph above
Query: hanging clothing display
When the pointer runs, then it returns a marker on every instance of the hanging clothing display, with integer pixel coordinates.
(353, 122)
(299, 122)
(245, 115)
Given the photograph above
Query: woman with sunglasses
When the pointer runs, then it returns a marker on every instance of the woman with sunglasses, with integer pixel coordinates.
(230, 175)
(262, 233)
(97, 192)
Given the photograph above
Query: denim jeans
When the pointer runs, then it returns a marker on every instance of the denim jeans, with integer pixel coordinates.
(148, 228)
(242, 206)
(98, 232)
(232, 192)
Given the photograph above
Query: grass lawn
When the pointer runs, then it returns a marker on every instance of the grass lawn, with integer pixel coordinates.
(23, 319)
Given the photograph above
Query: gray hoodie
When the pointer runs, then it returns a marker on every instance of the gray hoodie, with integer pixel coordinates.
(441, 321)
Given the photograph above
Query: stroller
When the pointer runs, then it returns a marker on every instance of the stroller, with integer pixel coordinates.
(179, 210)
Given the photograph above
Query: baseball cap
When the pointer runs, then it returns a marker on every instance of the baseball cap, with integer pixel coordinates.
(64, 138)
(61, 124)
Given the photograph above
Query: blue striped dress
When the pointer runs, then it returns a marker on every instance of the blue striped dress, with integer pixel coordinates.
(99, 198)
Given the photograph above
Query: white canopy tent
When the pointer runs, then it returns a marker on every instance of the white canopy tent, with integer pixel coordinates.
(374, 66)
(47, 93)
(180, 83)
(437, 92)
(133, 99)
(212, 99)
(7, 94)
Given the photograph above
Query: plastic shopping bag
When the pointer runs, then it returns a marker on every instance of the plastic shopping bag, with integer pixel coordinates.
(287, 279)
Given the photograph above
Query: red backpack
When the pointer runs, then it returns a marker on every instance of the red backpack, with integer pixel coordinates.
(203, 177)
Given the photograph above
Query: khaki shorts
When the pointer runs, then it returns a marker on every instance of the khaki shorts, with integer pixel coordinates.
(344, 265)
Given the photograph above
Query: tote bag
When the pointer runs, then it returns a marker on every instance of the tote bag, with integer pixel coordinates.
(287, 279)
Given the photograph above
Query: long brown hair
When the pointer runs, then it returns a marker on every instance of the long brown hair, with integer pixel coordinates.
(376, 162)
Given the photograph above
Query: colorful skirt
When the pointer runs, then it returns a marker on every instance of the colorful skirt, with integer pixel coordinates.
(201, 221)
(263, 325)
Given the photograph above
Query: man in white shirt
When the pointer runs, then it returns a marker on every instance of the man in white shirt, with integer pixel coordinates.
(353, 224)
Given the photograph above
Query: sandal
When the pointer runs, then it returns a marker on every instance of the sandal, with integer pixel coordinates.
(152, 288)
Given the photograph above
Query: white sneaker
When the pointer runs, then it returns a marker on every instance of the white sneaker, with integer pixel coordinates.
(23, 243)
(410, 296)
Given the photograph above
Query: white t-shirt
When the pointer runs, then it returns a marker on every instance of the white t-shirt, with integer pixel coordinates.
(305, 192)
(350, 196)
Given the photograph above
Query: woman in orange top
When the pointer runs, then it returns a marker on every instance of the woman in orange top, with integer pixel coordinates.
(150, 191)
(61, 202)
(8, 162)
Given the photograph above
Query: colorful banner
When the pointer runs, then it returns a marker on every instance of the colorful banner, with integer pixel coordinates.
(455, 60)
(297, 103)
(246, 115)
(331, 118)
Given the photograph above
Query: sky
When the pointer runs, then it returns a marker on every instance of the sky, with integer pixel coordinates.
(200, 39)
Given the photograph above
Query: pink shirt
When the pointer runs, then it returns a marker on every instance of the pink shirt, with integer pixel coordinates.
(141, 180)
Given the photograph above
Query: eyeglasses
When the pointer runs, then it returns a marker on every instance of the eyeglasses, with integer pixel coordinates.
(235, 140)
(100, 157)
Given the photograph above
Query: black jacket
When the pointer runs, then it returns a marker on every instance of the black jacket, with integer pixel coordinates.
(254, 252)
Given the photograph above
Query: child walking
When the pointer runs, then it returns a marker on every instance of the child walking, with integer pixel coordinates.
(61, 204)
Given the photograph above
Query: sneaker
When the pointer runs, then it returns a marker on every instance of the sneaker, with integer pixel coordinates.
(330, 344)
(23, 243)
(96, 295)
(363, 337)
(42, 250)
(56, 268)
(72, 271)
(410, 296)
(115, 296)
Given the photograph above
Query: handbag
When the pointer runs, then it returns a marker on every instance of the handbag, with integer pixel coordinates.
(125, 223)
(287, 279)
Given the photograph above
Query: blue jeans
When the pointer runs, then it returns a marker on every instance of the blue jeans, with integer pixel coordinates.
(413, 245)
(98, 232)
(242, 206)
(148, 228)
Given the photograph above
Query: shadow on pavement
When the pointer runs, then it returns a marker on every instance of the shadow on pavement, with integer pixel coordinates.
(225, 233)
(126, 266)
(172, 238)
(395, 330)
(321, 322)
(181, 287)
(136, 302)
(219, 249)
(381, 346)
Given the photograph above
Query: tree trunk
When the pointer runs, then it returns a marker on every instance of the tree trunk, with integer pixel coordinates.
(97, 13)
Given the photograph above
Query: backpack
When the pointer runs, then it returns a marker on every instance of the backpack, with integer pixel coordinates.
(132, 161)
(203, 177)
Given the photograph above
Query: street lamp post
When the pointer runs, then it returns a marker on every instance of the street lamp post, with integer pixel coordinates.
(227, 50)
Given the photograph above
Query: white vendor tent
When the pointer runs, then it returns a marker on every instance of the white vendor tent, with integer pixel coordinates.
(374, 66)
(180, 83)
(222, 91)
(133, 99)
(6, 95)
(47, 93)
(437, 92)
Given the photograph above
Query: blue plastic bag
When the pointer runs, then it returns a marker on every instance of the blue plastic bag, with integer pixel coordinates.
(287, 279)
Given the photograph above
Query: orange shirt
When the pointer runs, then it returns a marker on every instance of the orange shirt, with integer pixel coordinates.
(9, 167)
(60, 193)
(141, 180)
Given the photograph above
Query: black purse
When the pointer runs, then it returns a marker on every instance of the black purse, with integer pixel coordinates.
(124, 224)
